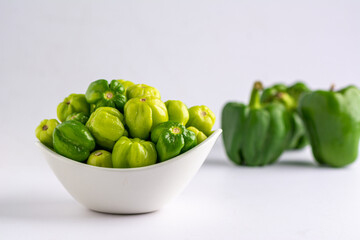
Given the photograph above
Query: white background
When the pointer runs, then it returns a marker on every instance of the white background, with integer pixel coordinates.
(200, 52)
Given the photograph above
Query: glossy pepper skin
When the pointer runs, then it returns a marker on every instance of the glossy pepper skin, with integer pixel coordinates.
(106, 125)
(81, 117)
(100, 158)
(73, 140)
(142, 114)
(142, 90)
(202, 118)
(177, 111)
(74, 103)
(171, 139)
(132, 153)
(44, 132)
(289, 97)
(257, 134)
(103, 94)
(332, 121)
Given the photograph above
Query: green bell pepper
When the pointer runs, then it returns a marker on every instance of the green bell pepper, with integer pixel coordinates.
(297, 90)
(177, 111)
(103, 94)
(132, 153)
(171, 139)
(100, 158)
(81, 117)
(202, 118)
(289, 97)
(44, 132)
(142, 90)
(200, 136)
(73, 140)
(332, 121)
(270, 93)
(142, 114)
(106, 124)
(257, 134)
(74, 103)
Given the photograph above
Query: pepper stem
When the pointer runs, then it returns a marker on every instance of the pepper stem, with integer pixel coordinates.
(332, 87)
(287, 100)
(255, 95)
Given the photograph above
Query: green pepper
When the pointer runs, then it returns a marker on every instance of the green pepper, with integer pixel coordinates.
(171, 139)
(142, 114)
(297, 89)
(289, 97)
(270, 93)
(257, 134)
(125, 83)
(298, 138)
(200, 136)
(142, 90)
(103, 94)
(81, 117)
(73, 140)
(74, 103)
(132, 153)
(332, 121)
(100, 158)
(92, 108)
(44, 132)
(106, 125)
(177, 111)
(202, 118)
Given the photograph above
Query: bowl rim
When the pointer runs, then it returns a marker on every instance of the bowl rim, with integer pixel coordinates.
(216, 133)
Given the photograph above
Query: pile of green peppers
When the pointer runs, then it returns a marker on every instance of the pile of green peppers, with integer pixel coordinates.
(282, 118)
(124, 125)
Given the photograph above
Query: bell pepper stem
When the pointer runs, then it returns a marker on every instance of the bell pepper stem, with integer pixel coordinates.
(255, 95)
(287, 100)
(332, 87)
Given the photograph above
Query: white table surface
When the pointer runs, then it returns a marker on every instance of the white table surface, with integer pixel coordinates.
(293, 199)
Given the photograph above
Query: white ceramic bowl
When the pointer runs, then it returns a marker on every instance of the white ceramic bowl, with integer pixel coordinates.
(132, 190)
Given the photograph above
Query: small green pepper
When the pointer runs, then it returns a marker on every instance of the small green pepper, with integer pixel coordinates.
(44, 132)
(200, 136)
(125, 83)
(81, 117)
(142, 114)
(74, 103)
(142, 90)
(202, 118)
(103, 94)
(106, 125)
(92, 108)
(177, 111)
(100, 158)
(132, 153)
(73, 140)
(171, 139)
